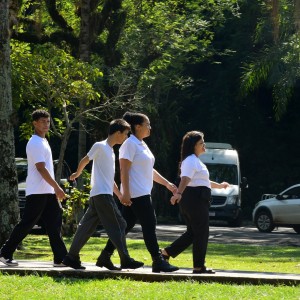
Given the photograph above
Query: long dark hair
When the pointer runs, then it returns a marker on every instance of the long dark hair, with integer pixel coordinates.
(188, 143)
(134, 119)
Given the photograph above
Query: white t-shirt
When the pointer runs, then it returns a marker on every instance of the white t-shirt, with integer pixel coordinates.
(141, 170)
(196, 170)
(38, 150)
(103, 170)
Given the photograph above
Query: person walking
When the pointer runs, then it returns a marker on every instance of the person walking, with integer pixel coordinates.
(43, 195)
(137, 176)
(193, 196)
(102, 206)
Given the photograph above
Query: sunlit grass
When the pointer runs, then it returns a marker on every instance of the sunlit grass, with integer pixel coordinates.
(35, 287)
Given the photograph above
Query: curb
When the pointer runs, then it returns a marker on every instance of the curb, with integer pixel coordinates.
(145, 274)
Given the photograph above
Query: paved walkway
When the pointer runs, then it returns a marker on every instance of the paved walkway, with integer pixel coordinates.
(27, 267)
(164, 232)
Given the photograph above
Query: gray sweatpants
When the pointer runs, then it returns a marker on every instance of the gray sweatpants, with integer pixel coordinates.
(102, 210)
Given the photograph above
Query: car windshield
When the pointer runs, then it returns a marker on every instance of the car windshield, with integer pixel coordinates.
(21, 170)
(221, 172)
(21, 165)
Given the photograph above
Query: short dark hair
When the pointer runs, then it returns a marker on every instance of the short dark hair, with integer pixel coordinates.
(118, 125)
(39, 113)
(189, 141)
(134, 119)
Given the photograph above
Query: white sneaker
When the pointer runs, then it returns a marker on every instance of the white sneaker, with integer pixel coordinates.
(9, 261)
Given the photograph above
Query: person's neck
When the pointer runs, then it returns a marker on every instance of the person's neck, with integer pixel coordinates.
(138, 137)
(111, 141)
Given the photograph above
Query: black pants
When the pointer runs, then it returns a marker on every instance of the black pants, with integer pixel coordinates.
(194, 207)
(141, 209)
(47, 208)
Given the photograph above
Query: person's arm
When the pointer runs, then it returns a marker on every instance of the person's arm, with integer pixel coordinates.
(182, 185)
(41, 167)
(222, 185)
(117, 192)
(158, 178)
(125, 166)
(80, 168)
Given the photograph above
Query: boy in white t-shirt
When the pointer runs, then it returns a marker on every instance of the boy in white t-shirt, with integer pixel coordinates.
(43, 194)
(102, 206)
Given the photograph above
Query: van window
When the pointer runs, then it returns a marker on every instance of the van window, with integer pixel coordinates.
(221, 172)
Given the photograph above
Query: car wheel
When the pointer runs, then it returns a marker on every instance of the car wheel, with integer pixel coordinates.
(297, 228)
(264, 221)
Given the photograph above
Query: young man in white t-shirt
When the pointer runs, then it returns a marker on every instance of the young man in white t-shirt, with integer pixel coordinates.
(102, 206)
(43, 194)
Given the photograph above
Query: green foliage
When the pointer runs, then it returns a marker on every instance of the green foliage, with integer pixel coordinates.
(48, 75)
(75, 204)
(277, 64)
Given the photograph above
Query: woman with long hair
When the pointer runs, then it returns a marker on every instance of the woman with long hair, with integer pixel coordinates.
(193, 196)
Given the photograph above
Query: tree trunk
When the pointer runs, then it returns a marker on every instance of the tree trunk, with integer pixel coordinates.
(63, 147)
(84, 54)
(8, 183)
(275, 19)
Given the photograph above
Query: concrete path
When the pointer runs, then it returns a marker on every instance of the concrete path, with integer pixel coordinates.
(169, 233)
(27, 267)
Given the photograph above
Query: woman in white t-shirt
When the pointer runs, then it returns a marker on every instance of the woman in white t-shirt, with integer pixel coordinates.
(137, 176)
(193, 196)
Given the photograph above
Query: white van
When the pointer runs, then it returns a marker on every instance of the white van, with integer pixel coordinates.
(223, 164)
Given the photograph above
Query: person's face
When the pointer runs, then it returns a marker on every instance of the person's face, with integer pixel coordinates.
(144, 128)
(122, 136)
(42, 125)
(199, 147)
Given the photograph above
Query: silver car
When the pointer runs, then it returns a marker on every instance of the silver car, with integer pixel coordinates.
(282, 210)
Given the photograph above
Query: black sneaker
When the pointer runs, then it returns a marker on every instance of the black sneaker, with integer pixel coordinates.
(59, 265)
(131, 264)
(72, 263)
(160, 265)
(105, 261)
(9, 261)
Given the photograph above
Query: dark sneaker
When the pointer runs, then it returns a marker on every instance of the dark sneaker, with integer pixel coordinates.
(160, 265)
(59, 265)
(204, 270)
(72, 263)
(131, 264)
(9, 261)
(105, 261)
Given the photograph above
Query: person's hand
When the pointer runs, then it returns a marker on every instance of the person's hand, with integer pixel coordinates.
(225, 185)
(73, 176)
(60, 194)
(175, 199)
(171, 187)
(125, 199)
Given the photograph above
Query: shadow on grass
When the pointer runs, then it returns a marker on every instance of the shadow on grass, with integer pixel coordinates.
(37, 246)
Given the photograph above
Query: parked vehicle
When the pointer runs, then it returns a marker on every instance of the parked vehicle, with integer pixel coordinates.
(21, 164)
(223, 164)
(278, 210)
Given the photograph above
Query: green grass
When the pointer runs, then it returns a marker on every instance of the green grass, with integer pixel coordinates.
(226, 257)
(34, 287)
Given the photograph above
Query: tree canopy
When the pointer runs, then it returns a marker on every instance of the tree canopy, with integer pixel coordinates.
(229, 68)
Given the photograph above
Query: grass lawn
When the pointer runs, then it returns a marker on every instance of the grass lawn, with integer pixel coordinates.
(226, 257)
